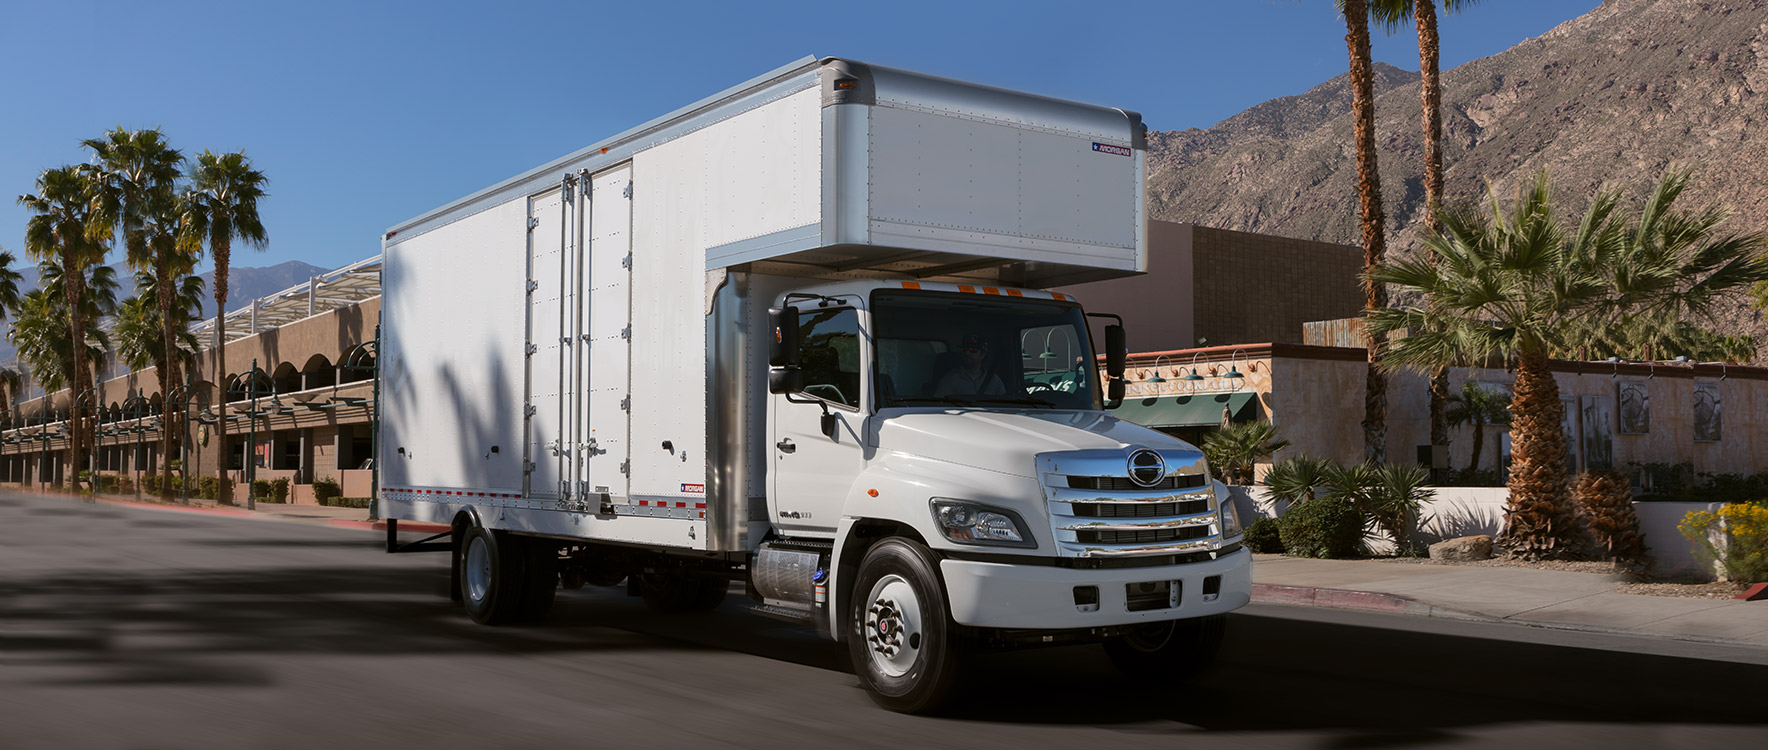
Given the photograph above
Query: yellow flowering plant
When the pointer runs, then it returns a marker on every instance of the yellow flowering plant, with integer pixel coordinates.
(1736, 536)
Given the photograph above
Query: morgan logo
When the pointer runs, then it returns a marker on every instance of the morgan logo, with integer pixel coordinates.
(693, 489)
(1106, 148)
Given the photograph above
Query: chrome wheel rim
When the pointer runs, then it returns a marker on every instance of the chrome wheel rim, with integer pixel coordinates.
(893, 625)
(478, 570)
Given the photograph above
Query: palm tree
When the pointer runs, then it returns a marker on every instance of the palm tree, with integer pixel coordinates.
(1362, 70)
(134, 187)
(138, 328)
(1293, 480)
(1232, 450)
(1511, 284)
(1391, 14)
(225, 191)
(11, 381)
(68, 231)
(1481, 408)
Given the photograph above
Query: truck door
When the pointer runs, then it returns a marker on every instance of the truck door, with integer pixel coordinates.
(608, 325)
(551, 305)
(812, 473)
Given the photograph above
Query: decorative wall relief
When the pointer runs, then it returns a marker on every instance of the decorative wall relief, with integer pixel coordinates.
(1597, 419)
(1635, 399)
(1708, 416)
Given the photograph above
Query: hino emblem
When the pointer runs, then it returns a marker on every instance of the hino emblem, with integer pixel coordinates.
(1147, 468)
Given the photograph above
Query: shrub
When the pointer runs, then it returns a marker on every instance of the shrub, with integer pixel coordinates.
(1232, 450)
(1606, 500)
(1329, 527)
(264, 491)
(207, 486)
(345, 502)
(279, 490)
(150, 484)
(1265, 536)
(1742, 532)
(325, 490)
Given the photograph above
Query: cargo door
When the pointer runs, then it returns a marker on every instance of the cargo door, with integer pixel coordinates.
(608, 315)
(550, 353)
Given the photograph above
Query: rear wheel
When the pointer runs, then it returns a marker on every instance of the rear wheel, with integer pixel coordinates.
(1179, 650)
(492, 576)
(899, 635)
(680, 593)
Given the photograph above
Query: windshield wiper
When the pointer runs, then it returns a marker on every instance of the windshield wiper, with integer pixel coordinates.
(1027, 400)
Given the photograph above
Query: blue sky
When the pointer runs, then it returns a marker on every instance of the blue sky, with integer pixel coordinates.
(365, 113)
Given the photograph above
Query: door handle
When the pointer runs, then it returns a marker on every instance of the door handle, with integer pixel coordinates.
(786, 445)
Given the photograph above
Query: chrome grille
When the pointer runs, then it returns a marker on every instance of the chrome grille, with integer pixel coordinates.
(1139, 510)
(1125, 484)
(1142, 536)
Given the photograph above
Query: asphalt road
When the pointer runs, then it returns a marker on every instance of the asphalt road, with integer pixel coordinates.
(135, 628)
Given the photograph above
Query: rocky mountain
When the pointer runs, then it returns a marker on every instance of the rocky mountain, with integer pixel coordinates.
(1612, 97)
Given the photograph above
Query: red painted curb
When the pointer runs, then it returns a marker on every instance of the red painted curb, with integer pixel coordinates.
(1758, 592)
(233, 512)
(1313, 596)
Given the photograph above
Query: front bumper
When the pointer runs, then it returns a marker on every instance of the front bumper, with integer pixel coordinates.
(1004, 595)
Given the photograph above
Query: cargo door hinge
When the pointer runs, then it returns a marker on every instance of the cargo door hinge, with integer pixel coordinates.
(626, 404)
(533, 285)
(568, 187)
(626, 262)
(533, 221)
(532, 348)
(528, 467)
(528, 410)
(566, 340)
(625, 467)
(626, 333)
(627, 193)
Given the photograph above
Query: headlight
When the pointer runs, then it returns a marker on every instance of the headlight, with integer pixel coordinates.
(970, 523)
(1230, 518)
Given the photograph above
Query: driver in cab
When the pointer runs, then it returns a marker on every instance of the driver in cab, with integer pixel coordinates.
(970, 378)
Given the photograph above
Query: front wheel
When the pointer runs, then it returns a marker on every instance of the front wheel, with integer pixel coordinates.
(1176, 650)
(899, 635)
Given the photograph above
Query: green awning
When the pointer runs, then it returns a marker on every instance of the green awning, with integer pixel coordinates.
(1199, 410)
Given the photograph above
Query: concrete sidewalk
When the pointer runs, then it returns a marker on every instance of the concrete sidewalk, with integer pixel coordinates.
(322, 515)
(1547, 598)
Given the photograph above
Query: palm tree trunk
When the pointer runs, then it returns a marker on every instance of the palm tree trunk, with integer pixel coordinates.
(73, 281)
(1356, 17)
(1439, 402)
(1537, 519)
(168, 369)
(220, 246)
(1479, 444)
(1431, 94)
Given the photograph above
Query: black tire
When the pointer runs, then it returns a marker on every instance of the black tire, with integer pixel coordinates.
(913, 674)
(542, 586)
(1168, 651)
(680, 593)
(493, 576)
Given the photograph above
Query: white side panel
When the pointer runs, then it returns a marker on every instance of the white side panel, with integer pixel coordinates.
(743, 179)
(449, 399)
(548, 445)
(941, 182)
(608, 314)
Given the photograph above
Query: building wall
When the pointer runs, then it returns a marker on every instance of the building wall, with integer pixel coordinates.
(1228, 287)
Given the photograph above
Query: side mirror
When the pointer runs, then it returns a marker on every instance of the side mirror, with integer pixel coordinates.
(1114, 392)
(785, 380)
(1117, 350)
(782, 348)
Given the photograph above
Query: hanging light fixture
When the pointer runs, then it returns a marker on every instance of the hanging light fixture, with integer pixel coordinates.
(1157, 376)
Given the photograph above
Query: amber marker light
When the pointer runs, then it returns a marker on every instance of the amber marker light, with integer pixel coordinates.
(873, 493)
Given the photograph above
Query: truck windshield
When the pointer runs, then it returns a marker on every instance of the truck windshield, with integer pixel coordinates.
(941, 348)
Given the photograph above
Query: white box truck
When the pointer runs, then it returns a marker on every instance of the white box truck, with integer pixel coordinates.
(794, 336)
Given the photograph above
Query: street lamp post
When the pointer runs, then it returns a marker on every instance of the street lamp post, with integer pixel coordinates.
(367, 358)
(183, 397)
(248, 387)
(77, 418)
(136, 408)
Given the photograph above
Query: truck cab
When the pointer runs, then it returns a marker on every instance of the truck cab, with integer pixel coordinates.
(971, 421)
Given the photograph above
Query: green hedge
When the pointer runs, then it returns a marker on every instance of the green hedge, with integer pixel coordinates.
(1265, 536)
(326, 490)
(1329, 527)
(345, 502)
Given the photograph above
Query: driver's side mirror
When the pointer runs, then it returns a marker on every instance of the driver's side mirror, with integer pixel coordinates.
(782, 347)
(1117, 351)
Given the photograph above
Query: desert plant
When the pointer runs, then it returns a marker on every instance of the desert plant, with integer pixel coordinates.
(1293, 480)
(326, 489)
(1329, 527)
(1265, 536)
(1606, 500)
(1482, 408)
(1389, 497)
(1232, 450)
(279, 490)
(1735, 536)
